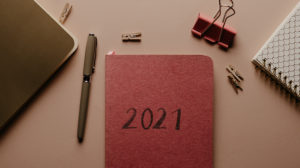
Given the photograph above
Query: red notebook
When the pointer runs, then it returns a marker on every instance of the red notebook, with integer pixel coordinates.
(159, 111)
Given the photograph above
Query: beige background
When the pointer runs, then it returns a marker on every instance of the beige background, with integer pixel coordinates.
(258, 128)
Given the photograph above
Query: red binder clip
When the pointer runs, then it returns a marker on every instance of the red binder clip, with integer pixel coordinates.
(213, 31)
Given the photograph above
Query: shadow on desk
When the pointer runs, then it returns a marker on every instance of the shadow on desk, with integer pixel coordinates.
(21, 112)
(277, 88)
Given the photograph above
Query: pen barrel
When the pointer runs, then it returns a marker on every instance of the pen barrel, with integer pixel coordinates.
(83, 109)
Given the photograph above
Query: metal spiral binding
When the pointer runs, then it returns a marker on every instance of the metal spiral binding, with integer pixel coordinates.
(277, 77)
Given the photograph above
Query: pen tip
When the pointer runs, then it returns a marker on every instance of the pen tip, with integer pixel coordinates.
(80, 139)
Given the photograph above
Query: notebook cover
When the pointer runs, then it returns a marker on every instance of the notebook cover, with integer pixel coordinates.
(159, 111)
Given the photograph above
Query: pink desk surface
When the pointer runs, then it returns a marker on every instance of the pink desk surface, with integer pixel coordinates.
(257, 128)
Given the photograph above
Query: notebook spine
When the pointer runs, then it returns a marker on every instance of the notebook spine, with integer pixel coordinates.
(271, 71)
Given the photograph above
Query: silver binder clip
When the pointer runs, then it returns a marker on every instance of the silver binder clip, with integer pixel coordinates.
(132, 37)
(65, 13)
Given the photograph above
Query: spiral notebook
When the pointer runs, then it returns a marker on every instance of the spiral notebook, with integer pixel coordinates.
(279, 58)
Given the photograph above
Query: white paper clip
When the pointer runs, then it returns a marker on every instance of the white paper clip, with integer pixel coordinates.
(65, 13)
(132, 37)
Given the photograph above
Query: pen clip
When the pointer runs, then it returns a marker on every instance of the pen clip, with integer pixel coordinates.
(94, 57)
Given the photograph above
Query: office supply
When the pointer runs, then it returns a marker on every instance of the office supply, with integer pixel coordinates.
(159, 111)
(33, 47)
(214, 31)
(279, 58)
(88, 70)
(234, 73)
(234, 78)
(132, 37)
(234, 83)
(65, 13)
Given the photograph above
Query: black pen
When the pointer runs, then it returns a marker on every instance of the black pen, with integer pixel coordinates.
(88, 70)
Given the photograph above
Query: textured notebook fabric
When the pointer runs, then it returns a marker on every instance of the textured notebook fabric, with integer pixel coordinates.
(280, 56)
(159, 111)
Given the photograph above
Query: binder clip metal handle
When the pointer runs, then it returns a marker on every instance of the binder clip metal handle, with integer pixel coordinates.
(225, 18)
(218, 14)
(216, 32)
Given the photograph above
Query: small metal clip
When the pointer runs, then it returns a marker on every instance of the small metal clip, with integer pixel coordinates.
(269, 67)
(284, 79)
(274, 70)
(290, 84)
(264, 62)
(65, 13)
(279, 75)
(295, 88)
(132, 37)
